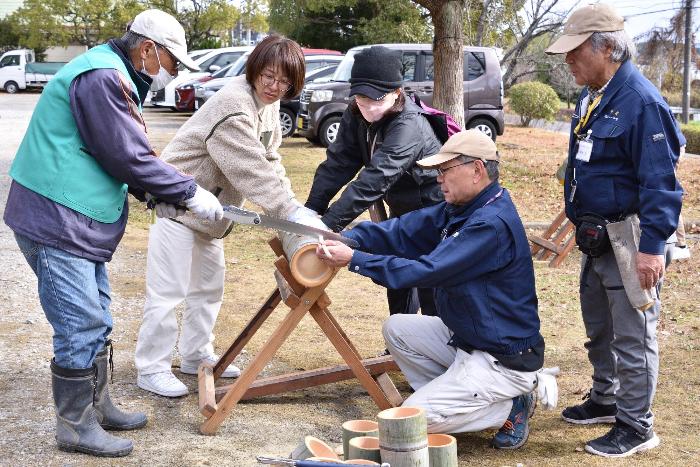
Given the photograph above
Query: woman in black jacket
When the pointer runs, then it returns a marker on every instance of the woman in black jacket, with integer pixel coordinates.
(382, 134)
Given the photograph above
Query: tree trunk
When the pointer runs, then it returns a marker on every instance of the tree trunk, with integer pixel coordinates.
(448, 55)
(482, 23)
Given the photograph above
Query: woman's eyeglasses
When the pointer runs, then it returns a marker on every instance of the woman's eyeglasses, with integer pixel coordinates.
(268, 80)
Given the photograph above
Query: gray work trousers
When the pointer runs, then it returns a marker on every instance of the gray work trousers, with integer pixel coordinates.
(622, 345)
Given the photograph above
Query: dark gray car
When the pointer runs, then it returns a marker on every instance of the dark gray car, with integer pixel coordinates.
(322, 105)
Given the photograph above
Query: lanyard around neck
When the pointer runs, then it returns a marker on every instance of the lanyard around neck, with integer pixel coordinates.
(584, 118)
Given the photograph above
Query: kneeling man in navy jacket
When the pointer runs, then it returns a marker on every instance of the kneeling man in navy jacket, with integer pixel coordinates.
(474, 366)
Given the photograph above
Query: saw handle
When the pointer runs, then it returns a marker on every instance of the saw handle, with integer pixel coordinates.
(241, 216)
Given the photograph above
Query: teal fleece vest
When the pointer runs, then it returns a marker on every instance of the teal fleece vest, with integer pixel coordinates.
(52, 159)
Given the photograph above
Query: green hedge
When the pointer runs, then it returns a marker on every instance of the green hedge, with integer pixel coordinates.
(692, 135)
(533, 100)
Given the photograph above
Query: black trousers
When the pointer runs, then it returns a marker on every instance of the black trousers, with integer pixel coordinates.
(408, 301)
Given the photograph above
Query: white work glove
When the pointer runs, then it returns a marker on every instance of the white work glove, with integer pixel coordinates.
(306, 216)
(547, 389)
(169, 211)
(205, 205)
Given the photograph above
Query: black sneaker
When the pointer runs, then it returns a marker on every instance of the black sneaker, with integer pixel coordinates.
(590, 412)
(622, 441)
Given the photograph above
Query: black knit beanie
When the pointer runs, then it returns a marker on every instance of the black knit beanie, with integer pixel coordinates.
(376, 72)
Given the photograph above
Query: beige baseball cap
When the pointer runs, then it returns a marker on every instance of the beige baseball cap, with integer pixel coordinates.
(166, 31)
(583, 23)
(472, 143)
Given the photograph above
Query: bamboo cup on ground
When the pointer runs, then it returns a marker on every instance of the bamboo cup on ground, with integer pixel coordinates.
(313, 447)
(403, 437)
(442, 450)
(354, 428)
(364, 447)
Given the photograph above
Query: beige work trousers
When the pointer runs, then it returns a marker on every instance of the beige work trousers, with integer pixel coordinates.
(182, 265)
(460, 391)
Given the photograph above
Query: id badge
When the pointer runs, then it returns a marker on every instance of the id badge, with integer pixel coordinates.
(584, 150)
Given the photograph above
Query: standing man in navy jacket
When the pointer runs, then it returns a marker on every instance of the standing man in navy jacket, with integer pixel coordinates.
(623, 148)
(85, 146)
(474, 365)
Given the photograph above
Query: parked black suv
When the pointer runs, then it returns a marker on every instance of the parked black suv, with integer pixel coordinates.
(322, 105)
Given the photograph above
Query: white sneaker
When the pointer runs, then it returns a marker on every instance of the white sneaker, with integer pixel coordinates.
(164, 383)
(680, 252)
(189, 367)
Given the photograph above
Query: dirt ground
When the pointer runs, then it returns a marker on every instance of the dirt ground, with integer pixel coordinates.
(274, 425)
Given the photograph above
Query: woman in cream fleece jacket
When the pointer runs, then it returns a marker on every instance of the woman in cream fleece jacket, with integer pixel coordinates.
(230, 147)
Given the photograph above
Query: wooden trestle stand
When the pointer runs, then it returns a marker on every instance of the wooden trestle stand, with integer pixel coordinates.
(216, 403)
(557, 241)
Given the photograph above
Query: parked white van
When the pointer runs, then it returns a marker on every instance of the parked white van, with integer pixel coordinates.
(19, 70)
(208, 63)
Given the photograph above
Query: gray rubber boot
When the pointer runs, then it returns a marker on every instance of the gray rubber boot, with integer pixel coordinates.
(109, 416)
(77, 428)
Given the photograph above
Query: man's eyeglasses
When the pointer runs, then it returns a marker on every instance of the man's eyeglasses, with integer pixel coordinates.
(443, 171)
(268, 80)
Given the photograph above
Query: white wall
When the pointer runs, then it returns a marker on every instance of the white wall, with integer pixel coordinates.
(8, 6)
(64, 54)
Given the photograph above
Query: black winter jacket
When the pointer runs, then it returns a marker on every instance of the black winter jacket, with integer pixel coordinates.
(391, 174)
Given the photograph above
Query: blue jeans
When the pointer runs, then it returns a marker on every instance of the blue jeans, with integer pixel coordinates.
(75, 295)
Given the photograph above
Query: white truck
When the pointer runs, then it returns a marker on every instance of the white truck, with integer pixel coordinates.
(19, 70)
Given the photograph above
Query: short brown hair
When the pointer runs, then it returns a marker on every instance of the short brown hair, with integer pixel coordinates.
(282, 53)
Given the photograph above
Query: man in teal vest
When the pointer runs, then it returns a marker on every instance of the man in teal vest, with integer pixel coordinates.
(84, 149)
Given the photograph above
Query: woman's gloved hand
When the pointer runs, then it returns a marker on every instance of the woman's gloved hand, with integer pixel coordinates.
(205, 205)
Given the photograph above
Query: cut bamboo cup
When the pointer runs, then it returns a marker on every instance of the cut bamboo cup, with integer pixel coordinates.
(313, 447)
(354, 428)
(305, 265)
(403, 437)
(442, 450)
(364, 447)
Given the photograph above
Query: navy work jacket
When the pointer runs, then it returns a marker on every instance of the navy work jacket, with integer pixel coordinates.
(636, 145)
(477, 259)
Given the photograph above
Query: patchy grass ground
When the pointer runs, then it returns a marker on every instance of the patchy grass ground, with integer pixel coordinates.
(530, 158)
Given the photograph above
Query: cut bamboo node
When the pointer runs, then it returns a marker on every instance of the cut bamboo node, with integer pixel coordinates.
(313, 447)
(364, 447)
(305, 265)
(442, 450)
(403, 437)
(354, 428)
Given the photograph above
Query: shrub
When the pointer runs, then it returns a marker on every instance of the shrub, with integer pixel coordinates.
(692, 136)
(533, 100)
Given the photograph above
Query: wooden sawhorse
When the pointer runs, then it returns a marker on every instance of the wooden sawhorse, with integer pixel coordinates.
(216, 403)
(558, 240)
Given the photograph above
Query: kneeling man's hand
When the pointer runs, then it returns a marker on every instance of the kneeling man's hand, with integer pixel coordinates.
(335, 254)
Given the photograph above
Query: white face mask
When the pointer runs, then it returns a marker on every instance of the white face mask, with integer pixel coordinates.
(372, 110)
(161, 79)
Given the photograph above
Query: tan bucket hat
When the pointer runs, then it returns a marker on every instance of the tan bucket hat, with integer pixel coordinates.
(472, 143)
(583, 23)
